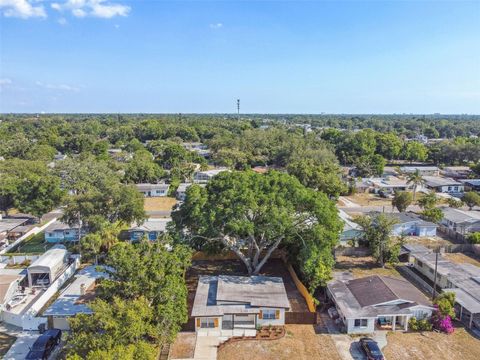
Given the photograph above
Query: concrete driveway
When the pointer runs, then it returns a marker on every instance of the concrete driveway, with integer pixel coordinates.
(21, 347)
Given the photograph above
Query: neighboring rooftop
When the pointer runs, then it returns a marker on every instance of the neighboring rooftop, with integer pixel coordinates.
(459, 216)
(436, 181)
(412, 169)
(214, 293)
(152, 224)
(7, 225)
(147, 187)
(389, 181)
(58, 226)
(69, 302)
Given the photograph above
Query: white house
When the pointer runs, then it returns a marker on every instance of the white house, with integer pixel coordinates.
(377, 302)
(461, 222)
(389, 184)
(61, 232)
(207, 175)
(410, 224)
(152, 228)
(423, 170)
(444, 185)
(461, 279)
(153, 190)
(236, 305)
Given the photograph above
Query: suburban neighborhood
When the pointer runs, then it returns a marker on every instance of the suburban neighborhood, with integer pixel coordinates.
(239, 180)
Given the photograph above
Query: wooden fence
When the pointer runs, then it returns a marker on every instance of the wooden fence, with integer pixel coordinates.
(300, 317)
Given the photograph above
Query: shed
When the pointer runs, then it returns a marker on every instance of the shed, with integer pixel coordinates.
(44, 270)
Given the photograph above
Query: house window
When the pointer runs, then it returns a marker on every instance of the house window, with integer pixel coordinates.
(419, 263)
(268, 314)
(431, 270)
(361, 322)
(207, 323)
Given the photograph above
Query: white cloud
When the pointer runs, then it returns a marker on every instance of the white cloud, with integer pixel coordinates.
(95, 8)
(216, 26)
(62, 21)
(62, 87)
(23, 9)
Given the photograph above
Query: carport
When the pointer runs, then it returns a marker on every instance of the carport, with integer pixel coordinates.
(467, 307)
(44, 270)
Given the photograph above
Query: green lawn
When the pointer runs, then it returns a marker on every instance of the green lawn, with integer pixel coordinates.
(6, 341)
(35, 244)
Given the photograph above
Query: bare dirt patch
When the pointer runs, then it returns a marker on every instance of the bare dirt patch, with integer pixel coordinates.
(361, 266)
(184, 346)
(159, 203)
(432, 345)
(367, 199)
(461, 258)
(300, 343)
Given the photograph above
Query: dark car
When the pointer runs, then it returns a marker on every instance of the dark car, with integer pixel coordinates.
(44, 345)
(371, 348)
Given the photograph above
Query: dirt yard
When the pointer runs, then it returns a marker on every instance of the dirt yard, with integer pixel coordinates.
(6, 341)
(300, 343)
(363, 266)
(367, 199)
(432, 345)
(461, 258)
(159, 203)
(273, 267)
(184, 346)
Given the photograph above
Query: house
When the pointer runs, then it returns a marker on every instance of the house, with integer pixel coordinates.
(389, 184)
(30, 219)
(198, 147)
(471, 184)
(182, 191)
(423, 170)
(61, 232)
(411, 225)
(8, 228)
(74, 298)
(351, 230)
(457, 172)
(43, 271)
(152, 229)
(377, 302)
(207, 175)
(461, 279)
(237, 305)
(460, 222)
(153, 190)
(444, 185)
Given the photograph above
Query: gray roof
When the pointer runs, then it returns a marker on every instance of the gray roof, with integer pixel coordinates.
(436, 181)
(59, 226)
(471, 182)
(152, 224)
(147, 187)
(50, 258)
(410, 169)
(458, 216)
(7, 225)
(218, 295)
(463, 276)
(363, 297)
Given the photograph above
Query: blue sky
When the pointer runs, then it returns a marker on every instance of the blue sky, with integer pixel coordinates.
(277, 57)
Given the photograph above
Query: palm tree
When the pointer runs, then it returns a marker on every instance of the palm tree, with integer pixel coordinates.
(415, 179)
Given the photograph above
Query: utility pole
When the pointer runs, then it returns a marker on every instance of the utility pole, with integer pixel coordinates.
(435, 275)
(238, 109)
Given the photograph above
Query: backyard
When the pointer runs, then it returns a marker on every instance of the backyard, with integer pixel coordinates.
(432, 345)
(300, 343)
(6, 341)
(34, 244)
(360, 266)
(159, 203)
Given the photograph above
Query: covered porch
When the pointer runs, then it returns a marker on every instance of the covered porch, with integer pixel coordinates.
(467, 308)
(392, 322)
(239, 321)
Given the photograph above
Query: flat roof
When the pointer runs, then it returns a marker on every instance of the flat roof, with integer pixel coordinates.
(435, 181)
(7, 225)
(419, 168)
(459, 216)
(389, 181)
(218, 295)
(146, 187)
(152, 224)
(67, 303)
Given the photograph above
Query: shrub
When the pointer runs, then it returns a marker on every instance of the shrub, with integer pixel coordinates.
(419, 325)
(474, 238)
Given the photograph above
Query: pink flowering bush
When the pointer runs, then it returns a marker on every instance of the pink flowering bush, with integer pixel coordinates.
(442, 322)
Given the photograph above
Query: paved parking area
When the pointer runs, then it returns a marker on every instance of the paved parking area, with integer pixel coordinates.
(21, 347)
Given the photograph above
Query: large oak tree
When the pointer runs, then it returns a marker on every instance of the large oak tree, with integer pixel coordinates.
(253, 214)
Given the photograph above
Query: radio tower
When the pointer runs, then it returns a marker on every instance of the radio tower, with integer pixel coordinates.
(238, 109)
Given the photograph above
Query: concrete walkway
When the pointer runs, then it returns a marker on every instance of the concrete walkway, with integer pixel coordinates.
(206, 347)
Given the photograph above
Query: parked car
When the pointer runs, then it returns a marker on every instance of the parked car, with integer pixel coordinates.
(44, 345)
(371, 349)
